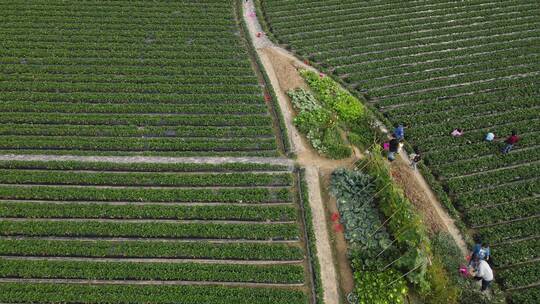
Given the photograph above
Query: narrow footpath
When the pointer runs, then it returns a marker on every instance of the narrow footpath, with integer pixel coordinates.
(282, 69)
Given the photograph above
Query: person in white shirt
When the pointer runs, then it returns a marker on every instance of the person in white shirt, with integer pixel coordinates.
(484, 273)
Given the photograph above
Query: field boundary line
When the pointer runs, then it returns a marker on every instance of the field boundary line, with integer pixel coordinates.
(135, 186)
(148, 282)
(121, 203)
(144, 220)
(142, 239)
(521, 219)
(153, 159)
(152, 260)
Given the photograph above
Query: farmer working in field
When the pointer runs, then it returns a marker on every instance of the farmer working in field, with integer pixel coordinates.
(510, 142)
(399, 131)
(393, 149)
(415, 159)
(484, 273)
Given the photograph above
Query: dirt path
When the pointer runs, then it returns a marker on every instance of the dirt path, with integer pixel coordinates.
(152, 260)
(421, 195)
(282, 68)
(151, 159)
(149, 282)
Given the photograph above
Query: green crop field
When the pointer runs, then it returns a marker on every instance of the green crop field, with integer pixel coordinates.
(437, 65)
(157, 78)
(129, 77)
(228, 233)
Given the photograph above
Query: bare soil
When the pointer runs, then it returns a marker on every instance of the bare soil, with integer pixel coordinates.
(283, 69)
(426, 202)
(406, 179)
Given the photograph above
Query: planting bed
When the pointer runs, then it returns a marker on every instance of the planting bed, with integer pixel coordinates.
(436, 66)
(129, 77)
(222, 234)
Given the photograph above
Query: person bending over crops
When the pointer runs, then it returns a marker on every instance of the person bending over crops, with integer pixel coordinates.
(484, 273)
(510, 142)
(490, 137)
(457, 132)
(399, 131)
(415, 159)
(393, 149)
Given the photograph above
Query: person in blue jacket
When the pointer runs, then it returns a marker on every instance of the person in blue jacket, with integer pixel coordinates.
(399, 131)
(481, 251)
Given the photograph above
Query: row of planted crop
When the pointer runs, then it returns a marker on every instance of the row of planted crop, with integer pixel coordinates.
(522, 229)
(14, 50)
(463, 20)
(187, 153)
(479, 98)
(100, 229)
(90, 270)
(435, 57)
(431, 36)
(450, 71)
(281, 7)
(141, 167)
(145, 179)
(147, 211)
(470, 124)
(119, 22)
(129, 70)
(486, 163)
(464, 78)
(127, 98)
(148, 294)
(135, 119)
(425, 42)
(482, 44)
(492, 179)
(477, 149)
(179, 62)
(525, 296)
(155, 88)
(150, 249)
(126, 144)
(435, 60)
(475, 138)
(482, 101)
(492, 196)
(134, 131)
(134, 33)
(516, 252)
(519, 276)
(465, 50)
(142, 79)
(441, 28)
(136, 16)
(59, 107)
(70, 193)
(220, 39)
(503, 213)
(136, 12)
(196, 46)
(483, 107)
(373, 14)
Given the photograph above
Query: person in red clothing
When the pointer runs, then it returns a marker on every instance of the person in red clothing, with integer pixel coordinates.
(510, 142)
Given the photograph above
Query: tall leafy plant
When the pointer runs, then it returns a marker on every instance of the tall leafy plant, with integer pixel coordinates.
(404, 223)
(355, 192)
(371, 249)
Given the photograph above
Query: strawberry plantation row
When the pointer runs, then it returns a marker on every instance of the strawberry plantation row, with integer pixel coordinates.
(75, 222)
(161, 294)
(71, 70)
(436, 66)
